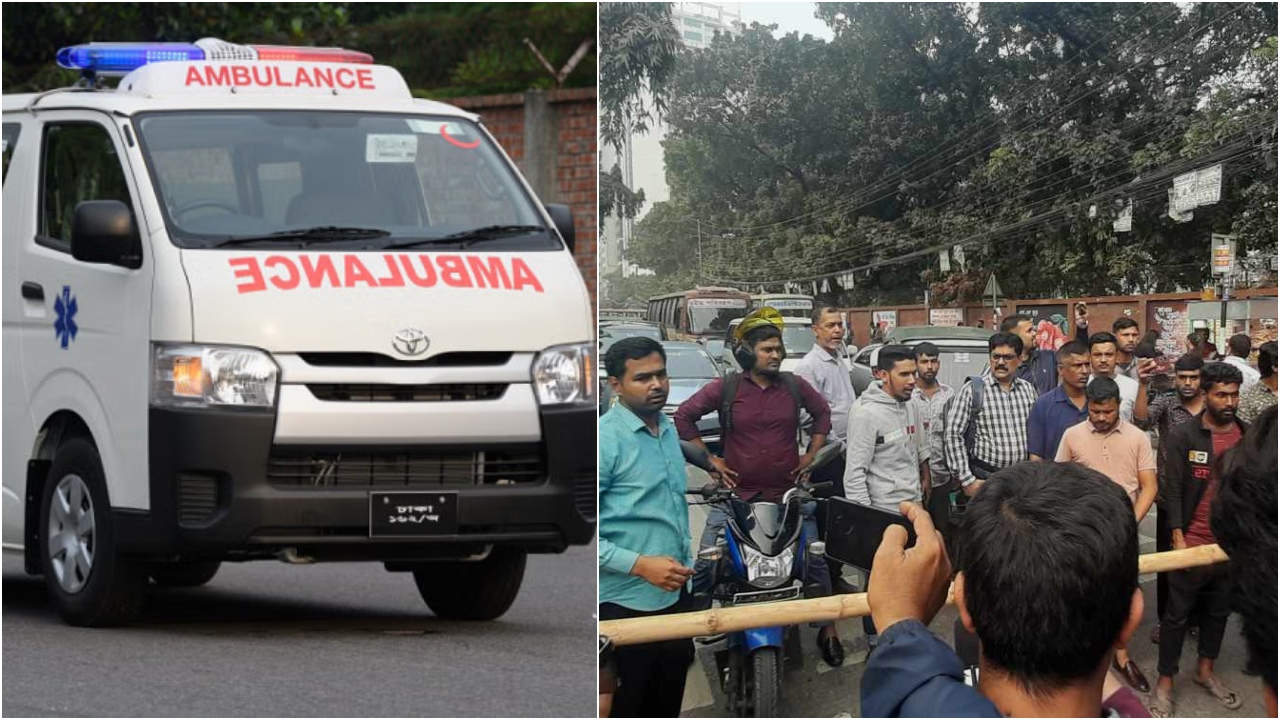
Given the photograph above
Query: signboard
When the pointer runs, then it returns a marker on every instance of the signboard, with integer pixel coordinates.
(944, 261)
(1224, 254)
(1196, 188)
(717, 302)
(789, 304)
(1124, 223)
(885, 319)
(946, 317)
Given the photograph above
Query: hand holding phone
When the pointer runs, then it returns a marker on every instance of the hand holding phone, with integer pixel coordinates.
(909, 583)
(854, 531)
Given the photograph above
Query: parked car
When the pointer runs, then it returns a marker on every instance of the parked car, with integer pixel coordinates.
(611, 332)
(690, 368)
(715, 348)
(962, 353)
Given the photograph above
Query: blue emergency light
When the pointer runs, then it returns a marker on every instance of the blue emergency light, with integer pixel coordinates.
(124, 58)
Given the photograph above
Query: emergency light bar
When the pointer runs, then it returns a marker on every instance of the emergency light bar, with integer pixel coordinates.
(123, 58)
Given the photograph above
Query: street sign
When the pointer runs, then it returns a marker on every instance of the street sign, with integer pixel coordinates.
(1223, 254)
(993, 288)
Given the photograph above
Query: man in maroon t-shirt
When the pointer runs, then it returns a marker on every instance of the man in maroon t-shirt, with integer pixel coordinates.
(1191, 483)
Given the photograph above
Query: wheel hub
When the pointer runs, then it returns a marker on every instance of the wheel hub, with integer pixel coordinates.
(72, 535)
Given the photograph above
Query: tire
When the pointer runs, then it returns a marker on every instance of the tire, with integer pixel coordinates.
(766, 682)
(185, 574)
(91, 585)
(473, 590)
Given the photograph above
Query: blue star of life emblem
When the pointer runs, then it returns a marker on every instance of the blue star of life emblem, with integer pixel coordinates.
(65, 326)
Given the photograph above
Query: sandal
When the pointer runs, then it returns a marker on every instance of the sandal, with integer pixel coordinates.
(1214, 687)
(1161, 705)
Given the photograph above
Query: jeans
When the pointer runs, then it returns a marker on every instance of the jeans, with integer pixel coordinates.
(815, 568)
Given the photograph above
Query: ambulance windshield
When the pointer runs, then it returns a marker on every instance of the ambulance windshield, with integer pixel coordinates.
(226, 175)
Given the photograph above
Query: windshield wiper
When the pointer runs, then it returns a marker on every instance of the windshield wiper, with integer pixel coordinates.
(325, 233)
(471, 237)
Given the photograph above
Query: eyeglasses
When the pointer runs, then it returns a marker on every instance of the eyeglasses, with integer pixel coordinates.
(1003, 358)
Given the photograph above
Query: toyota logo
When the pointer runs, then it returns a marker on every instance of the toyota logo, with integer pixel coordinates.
(410, 342)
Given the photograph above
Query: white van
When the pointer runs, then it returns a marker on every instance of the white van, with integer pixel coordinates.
(262, 303)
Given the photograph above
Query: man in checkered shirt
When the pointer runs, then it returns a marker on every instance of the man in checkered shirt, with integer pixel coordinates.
(1001, 437)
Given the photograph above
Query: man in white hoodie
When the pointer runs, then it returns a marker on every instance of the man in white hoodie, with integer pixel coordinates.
(887, 458)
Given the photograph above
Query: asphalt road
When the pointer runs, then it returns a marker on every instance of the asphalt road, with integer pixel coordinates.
(816, 690)
(341, 640)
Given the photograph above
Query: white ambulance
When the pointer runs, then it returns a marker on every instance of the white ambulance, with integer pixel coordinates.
(261, 303)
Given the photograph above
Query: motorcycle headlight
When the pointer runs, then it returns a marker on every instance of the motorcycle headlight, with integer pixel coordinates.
(564, 375)
(768, 572)
(212, 376)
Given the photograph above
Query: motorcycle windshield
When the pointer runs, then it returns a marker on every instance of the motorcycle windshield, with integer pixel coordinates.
(767, 527)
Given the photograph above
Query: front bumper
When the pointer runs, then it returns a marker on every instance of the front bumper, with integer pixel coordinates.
(211, 494)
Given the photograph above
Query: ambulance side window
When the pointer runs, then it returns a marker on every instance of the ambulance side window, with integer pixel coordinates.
(80, 163)
(11, 131)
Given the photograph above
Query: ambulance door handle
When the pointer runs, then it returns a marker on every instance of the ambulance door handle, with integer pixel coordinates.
(32, 291)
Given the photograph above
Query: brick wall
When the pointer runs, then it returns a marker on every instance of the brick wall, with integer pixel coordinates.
(571, 155)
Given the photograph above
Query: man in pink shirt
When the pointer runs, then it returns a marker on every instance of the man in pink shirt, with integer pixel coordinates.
(1107, 443)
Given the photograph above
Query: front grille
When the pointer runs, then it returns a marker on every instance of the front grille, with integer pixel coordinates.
(197, 499)
(368, 359)
(353, 392)
(390, 470)
(584, 498)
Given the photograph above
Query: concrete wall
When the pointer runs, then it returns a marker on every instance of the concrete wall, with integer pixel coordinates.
(551, 136)
(1151, 311)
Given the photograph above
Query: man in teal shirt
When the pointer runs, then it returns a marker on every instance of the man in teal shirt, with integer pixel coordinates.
(644, 527)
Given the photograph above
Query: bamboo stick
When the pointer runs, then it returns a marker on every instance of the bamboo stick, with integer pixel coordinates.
(836, 607)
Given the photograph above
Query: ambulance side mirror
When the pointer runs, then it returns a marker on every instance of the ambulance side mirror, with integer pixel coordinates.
(102, 231)
(562, 216)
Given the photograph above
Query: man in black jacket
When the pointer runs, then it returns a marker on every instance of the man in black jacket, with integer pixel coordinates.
(1191, 476)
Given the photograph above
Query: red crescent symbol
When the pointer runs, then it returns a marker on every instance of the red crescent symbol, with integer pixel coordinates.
(444, 132)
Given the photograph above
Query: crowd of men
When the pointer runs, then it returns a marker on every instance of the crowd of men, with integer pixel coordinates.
(1032, 475)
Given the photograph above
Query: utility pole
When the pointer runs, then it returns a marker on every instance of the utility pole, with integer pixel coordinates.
(699, 274)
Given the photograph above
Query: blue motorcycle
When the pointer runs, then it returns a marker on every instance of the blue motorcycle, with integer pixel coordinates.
(759, 559)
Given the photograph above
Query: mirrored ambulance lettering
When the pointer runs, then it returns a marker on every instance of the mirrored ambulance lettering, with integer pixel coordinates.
(282, 272)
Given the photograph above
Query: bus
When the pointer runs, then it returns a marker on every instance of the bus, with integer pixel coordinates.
(701, 312)
(800, 306)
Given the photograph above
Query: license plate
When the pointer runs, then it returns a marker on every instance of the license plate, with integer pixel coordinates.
(412, 514)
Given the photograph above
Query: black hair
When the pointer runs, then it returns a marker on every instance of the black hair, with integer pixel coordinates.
(1005, 338)
(926, 348)
(891, 355)
(1010, 323)
(1101, 389)
(1075, 347)
(1187, 363)
(630, 348)
(1219, 373)
(1123, 323)
(820, 310)
(1267, 358)
(1102, 338)
(1048, 624)
(1240, 345)
(1243, 520)
(1151, 336)
(757, 335)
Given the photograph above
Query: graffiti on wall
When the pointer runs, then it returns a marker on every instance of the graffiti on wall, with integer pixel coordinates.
(1050, 323)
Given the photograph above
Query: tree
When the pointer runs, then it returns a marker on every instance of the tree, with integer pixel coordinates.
(1019, 129)
(640, 44)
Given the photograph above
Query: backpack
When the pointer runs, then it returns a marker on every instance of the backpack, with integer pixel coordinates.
(975, 408)
(729, 393)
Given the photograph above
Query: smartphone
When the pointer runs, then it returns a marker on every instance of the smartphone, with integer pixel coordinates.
(854, 531)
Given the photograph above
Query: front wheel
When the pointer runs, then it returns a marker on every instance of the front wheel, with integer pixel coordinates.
(473, 590)
(766, 682)
(89, 582)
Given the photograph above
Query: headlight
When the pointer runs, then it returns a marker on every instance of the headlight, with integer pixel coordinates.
(565, 374)
(203, 376)
(765, 571)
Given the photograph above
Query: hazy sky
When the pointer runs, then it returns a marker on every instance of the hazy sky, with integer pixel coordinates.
(788, 17)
